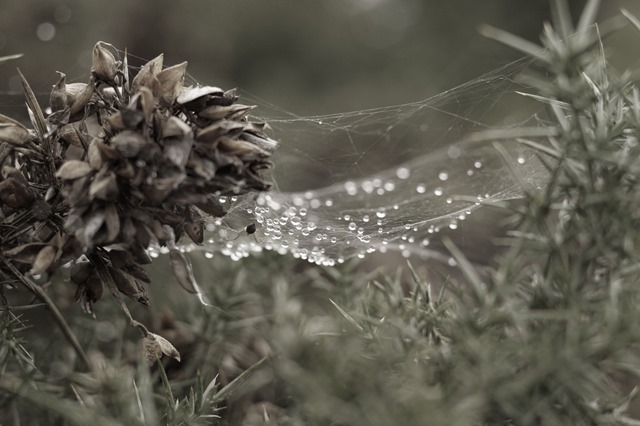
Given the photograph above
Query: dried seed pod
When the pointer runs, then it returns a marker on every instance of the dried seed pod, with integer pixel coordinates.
(182, 271)
(129, 286)
(80, 272)
(104, 65)
(129, 143)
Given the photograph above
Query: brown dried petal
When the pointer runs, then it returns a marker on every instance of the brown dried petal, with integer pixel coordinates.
(120, 258)
(112, 222)
(74, 169)
(72, 135)
(217, 112)
(177, 150)
(261, 141)
(212, 206)
(58, 97)
(171, 79)
(129, 143)
(148, 74)
(104, 187)
(190, 94)
(104, 65)
(195, 231)
(13, 132)
(79, 95)
(174, 127)
(45, 258)
(15, 193)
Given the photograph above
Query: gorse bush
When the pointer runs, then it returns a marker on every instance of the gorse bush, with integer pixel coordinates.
(541, 338)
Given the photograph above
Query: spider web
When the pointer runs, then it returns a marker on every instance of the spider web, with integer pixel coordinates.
(382, 179)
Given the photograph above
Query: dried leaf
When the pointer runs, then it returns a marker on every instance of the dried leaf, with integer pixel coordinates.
(74, 169)
(112, 222)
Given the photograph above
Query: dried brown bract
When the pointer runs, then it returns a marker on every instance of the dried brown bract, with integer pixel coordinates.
(117, 165)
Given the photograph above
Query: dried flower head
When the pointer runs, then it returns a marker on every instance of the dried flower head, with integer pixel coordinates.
(117, 165)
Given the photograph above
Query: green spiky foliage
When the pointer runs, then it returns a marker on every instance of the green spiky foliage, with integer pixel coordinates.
(546, 337)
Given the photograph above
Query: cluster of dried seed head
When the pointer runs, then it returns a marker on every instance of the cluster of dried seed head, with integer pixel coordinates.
(117, 164)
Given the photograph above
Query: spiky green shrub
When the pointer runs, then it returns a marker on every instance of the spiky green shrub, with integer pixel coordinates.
(541, 339)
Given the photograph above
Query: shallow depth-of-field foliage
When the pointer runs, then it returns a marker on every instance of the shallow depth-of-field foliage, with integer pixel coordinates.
(544, 337)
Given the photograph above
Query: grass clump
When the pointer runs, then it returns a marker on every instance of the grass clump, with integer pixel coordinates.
(542, 338)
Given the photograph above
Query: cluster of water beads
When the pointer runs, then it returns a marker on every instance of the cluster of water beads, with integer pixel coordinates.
(400, 209)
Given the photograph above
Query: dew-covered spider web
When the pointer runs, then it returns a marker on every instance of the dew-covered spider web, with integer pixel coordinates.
(383, 179)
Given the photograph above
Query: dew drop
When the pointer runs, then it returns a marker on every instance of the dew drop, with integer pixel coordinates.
(381, 213)
(403, 172)
(521, 160)
(352, 226)
(438, 191)
(477, 164)
(208, 255)
(443, 176)
(365, 218)
(421, 189)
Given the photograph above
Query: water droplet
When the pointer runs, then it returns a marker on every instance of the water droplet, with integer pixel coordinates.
(438, 191)
(381, 213)
(477, 164)
(521, 160)
(302, 212)
(365, 218)
(315, 203)
(351, 187)
(389, 186)
(421, 189)
(469, 172)
(208, 255)
(328, 202)
(425, 242)
(347, 217)
(453, 152)
(443, 176)
(352, 226)
(334, 240)
(403, 172)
